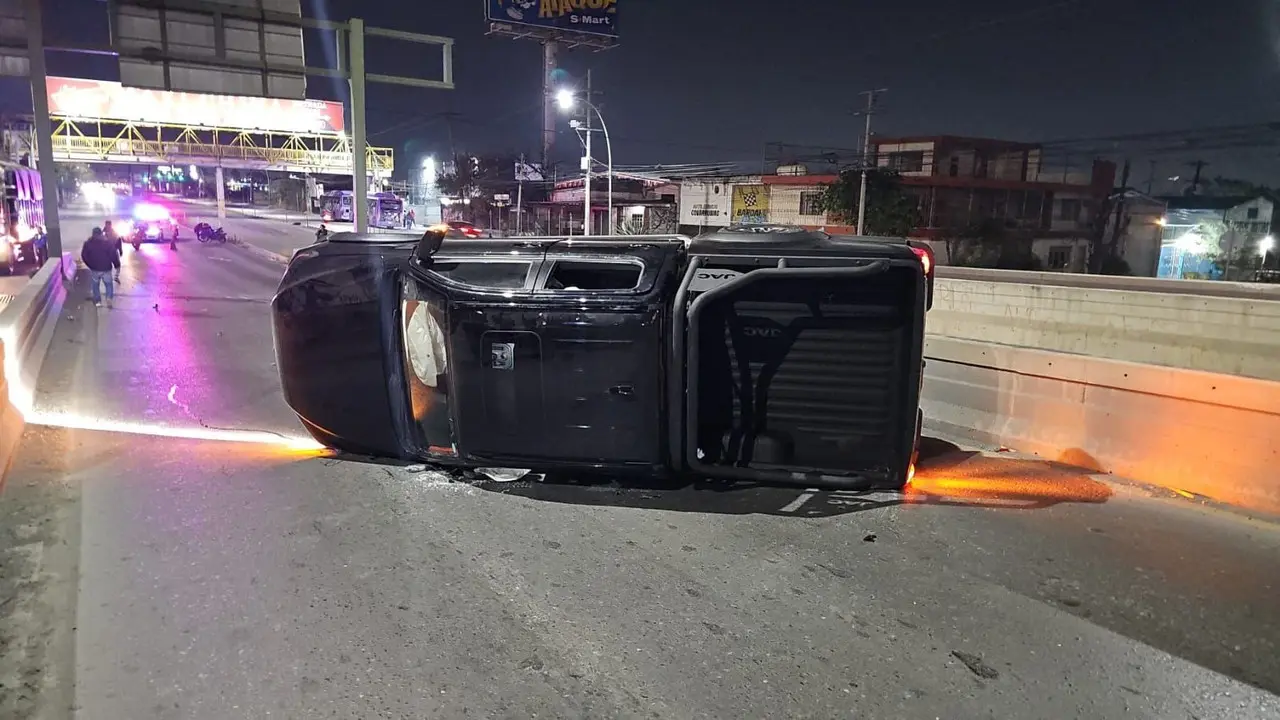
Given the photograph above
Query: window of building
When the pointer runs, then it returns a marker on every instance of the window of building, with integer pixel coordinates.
(593, 275)
(912, 161)
(1059, 257)
(489, 275)
(811, 203)
(954, 170)
(1069, 210)
(1252, 213)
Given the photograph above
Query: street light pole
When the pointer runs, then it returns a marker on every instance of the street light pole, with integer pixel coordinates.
(44, 128)
(586, 168)
(359, 177)
(608, 149)
(866, 158)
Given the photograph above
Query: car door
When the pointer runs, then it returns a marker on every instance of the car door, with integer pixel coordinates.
(602, 324)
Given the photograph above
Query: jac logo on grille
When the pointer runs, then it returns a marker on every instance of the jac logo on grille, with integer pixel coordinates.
(762, 332)
(705, 279)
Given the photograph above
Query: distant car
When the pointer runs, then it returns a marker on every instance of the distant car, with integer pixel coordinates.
(151, 222)
(771, 355)
(469, 230)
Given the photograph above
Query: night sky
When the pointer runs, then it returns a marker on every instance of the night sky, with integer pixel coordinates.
(714, 80)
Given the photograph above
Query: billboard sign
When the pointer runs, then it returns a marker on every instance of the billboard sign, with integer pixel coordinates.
(590, 17)
(750, 204)
(233, 47)
(111, 101)
(705, 204)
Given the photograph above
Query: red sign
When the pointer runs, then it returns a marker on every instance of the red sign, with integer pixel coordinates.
(102, 100)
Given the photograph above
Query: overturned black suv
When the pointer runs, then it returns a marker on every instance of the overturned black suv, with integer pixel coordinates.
(763, 354)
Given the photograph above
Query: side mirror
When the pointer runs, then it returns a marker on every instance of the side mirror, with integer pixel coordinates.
(428, 246)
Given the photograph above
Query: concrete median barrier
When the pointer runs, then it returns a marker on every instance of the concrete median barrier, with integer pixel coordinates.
(27, 323)
(1217, 327)
(1211, 434)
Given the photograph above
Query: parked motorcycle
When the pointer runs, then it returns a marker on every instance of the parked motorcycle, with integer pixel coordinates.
(206, 233)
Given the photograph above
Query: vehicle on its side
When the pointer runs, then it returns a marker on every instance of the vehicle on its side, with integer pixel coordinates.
(23, 240)
(760, 354)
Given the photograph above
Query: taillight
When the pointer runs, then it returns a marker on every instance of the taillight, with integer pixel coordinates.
(924, 253)
(926, 258)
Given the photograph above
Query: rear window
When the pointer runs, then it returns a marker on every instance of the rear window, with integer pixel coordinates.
(594, 275)
(491, 275)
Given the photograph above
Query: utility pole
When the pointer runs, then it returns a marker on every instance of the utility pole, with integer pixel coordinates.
(586, 166)
(549, 51)
(359, 177)
(43, 127)
(520, 195)
(1151, 178)
(1195, 179)
(1113, 245)
(866, 157)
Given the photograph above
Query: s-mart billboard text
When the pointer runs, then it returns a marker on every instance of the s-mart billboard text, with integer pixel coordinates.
(112, 102)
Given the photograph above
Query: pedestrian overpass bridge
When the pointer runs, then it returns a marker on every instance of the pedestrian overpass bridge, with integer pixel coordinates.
(103, 141)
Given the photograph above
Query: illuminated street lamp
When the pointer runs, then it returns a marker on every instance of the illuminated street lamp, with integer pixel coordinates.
(1266, 245)
(567, 100)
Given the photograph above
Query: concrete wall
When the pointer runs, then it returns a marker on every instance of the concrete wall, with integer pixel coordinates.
(1214, 435)
(1173, 383)
(784, 205)
(1215, 327)
(26, 331)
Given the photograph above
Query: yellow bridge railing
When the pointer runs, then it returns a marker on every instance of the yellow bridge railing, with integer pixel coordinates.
(87, 140)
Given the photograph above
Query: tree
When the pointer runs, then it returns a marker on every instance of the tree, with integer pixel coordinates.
(288, 193)
(476, 178)
(1221, 186)
(891, 212)
(989, 244)
(69, 177)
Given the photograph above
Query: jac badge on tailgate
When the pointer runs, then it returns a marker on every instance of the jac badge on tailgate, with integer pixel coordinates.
(706, 278)
(502, 356)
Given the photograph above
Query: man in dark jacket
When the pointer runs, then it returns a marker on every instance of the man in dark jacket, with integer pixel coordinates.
(115, 240)
(101, 258)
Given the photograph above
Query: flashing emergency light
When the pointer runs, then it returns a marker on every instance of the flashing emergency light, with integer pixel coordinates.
(150, 212)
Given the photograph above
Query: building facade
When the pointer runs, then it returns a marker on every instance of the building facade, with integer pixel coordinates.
(957, 183)
(1215, 236)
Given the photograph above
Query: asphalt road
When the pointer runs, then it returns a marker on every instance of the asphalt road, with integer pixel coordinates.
(157, 577)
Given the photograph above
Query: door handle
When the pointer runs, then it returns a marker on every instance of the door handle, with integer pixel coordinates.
(625, 390)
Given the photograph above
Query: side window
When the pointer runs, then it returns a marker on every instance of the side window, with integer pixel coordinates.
(492, 275)
(593, 275)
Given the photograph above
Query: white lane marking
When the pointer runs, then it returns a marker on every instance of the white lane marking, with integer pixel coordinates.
(798, 503)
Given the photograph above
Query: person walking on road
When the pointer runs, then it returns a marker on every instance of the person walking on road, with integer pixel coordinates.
(101, 258)
(112, 237)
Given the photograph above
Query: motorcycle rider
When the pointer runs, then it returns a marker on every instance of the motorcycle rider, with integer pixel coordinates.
(116, 241)
(322, 233)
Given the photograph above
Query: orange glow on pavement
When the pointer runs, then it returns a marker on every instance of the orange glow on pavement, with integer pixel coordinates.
(302, 446)
(1002, 481)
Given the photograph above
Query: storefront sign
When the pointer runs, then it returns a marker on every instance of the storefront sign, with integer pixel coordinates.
(704, 204)
(750, 204)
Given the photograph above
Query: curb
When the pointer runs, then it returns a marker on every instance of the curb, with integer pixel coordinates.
(259, 252)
